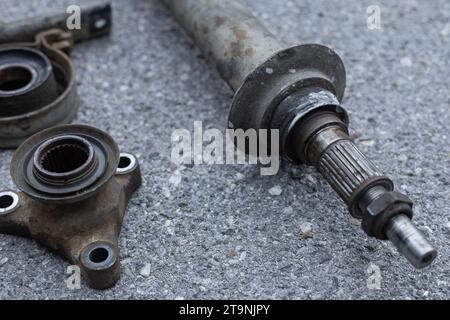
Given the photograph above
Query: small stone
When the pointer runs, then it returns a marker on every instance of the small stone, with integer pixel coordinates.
(184, 77)
(175, 178)
(406, 61)
(287, 210)
(446, 31)
(170, 228)
(435, 139)
(403, 158)
(166, 192)
(307, 230)
(3, 261)
(311, 178)
(368, 142)
(243, 256)
(355, 222)
(145, 271)
(275, 191)
(448, 226)
(427, 230)
(239, 176)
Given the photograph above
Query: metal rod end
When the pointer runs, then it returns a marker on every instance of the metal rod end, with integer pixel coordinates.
(410, 242)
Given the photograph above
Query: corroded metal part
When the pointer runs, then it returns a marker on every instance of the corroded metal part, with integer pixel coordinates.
(259, 68)
(44, 92)
(78, 211)
(95, 21)
(37, 79)
(298, 91)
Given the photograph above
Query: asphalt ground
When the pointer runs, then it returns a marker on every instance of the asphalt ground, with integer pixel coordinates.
(216, 231)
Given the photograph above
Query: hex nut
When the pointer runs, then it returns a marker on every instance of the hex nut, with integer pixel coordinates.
(381, 210)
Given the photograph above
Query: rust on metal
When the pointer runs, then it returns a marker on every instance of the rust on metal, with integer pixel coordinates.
(37, 80)
(75, 186)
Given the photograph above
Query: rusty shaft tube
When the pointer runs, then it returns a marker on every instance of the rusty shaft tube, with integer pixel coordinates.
(227, 33)
(298, 90)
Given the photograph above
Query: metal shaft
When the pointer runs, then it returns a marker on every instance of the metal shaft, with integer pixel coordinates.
(298, 90)
(226, 32)
(410, 241)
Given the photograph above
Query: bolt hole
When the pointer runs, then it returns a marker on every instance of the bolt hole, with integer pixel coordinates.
(127, 163)
(9, 201)
(124, 162)
(98, 255)
(100, 23)
(427, 258)
(6, 201)
(14, 78)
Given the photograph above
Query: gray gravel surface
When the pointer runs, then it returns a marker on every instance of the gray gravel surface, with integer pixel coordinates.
(219, 232)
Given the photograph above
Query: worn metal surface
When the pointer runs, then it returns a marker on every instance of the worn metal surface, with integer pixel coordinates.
(95, 21)
(259, 68)
(219, 233)
(27, 81)
(46, 106)
(41, 106)
(308, 83)
(81, 224)
(228, 35)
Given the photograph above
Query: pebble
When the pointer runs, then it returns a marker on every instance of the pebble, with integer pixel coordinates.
(368, 142)
(448, 226)
(446, 31)
(307, 230)
(239, 177)
(287, 210)
(3, 261)
(275, 191)
(355, 222)
(243, 256)
(436, 139)
(403, 158)
(145, 271)
(166, 192)
(311, 178)
(175, 178)
(427, 230)
(406, 61)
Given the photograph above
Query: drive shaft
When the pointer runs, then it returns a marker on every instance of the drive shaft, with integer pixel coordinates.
(298, 90)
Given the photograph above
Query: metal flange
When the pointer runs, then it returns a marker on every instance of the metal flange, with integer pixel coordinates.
(75, 186)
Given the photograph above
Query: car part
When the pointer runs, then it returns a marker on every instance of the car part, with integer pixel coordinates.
(37, 79)
(96, 21)
(75, 186)
(298, 91)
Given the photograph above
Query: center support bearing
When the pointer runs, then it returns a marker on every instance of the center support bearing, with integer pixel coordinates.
(75, 186)
(298, 90)
(37, 87)
(37, 79)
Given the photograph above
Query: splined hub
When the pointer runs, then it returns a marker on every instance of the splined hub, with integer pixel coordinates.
(66, 163)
